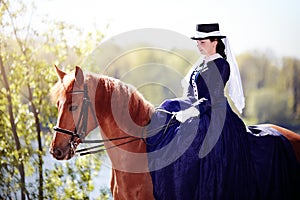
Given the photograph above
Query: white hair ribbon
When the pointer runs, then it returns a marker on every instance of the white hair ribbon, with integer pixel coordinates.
(209, 34)
(235, 88)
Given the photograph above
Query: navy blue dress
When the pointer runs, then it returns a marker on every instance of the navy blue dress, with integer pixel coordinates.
(213, 156)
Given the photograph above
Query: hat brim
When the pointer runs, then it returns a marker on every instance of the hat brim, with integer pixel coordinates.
(208, 37)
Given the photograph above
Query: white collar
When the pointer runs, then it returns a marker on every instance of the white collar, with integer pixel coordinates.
(212, 57)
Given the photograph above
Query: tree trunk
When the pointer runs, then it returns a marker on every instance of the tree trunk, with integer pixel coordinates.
(40, 148)
(295, 86)
(14, 129)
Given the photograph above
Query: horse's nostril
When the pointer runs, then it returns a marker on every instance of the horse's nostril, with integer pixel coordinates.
(58, 153)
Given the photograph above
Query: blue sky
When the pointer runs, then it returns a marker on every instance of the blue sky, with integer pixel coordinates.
(263, 25)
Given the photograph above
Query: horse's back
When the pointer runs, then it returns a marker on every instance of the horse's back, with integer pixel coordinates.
(293, 137)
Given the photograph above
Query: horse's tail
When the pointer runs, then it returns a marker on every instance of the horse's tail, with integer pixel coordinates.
(293, 137)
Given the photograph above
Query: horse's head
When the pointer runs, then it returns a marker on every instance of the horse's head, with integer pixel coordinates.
(74, 121)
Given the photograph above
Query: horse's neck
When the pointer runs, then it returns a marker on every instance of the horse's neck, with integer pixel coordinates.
(120, 108)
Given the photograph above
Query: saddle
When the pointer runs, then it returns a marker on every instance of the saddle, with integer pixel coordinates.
(262, 130)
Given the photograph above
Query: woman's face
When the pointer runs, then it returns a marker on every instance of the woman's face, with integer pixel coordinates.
(206, 47)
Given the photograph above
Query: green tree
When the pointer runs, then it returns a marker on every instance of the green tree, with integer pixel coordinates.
(271, 87)
(26, 57)
(291, 82)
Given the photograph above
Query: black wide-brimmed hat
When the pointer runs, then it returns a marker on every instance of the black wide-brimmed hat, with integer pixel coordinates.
(205, 31)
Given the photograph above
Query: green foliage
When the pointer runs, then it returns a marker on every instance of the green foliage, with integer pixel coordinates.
(78, 184)
(272, 88)
(105, 194)
(267, 106)
(27, 56)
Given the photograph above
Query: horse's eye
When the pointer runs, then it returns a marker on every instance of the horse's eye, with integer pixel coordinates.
(73, 108)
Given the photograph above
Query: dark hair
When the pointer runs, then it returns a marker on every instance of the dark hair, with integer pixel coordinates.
(220, 48)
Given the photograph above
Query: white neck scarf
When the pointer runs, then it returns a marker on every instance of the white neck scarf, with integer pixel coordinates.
(212, 57)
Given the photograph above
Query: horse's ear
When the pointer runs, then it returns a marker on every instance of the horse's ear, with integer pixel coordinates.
(79, 77)
(59, 73)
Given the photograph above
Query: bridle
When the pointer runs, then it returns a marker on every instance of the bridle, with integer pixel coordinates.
(81, 126)
(81, 129)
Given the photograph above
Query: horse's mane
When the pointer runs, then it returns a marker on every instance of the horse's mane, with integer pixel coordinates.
(114, 89)
(125, 97)
(56, 91)
(60, 89)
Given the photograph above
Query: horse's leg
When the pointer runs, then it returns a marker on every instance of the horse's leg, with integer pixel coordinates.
(133, 186)
(113, 186)
(293, 137)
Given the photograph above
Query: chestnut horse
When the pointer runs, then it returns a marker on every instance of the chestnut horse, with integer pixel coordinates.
(121, 112)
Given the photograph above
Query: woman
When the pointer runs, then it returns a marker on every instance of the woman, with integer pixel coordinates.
(213, 162)
(204, 150)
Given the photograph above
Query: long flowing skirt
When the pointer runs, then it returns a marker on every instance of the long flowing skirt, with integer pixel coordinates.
(214, 156)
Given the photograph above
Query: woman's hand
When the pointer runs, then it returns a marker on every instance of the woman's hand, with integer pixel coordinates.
(184, 115)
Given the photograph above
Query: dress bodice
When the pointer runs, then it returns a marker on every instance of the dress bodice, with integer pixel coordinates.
(209, 80)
